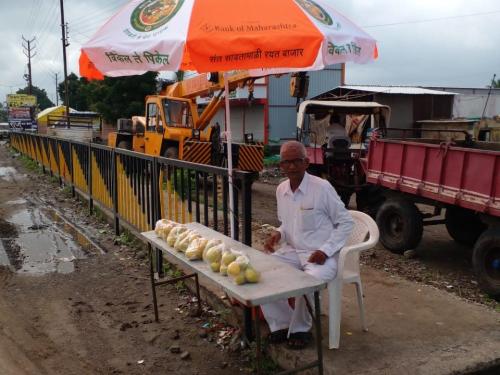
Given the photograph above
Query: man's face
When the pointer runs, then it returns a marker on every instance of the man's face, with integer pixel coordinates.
(293, 164)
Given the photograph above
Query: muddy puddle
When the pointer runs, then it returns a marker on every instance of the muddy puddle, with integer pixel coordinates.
(8, 173)
(38, 240)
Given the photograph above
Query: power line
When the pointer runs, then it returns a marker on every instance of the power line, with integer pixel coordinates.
(433, 19)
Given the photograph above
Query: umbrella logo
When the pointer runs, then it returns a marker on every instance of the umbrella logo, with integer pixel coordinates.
(152, 14)
(315, 11)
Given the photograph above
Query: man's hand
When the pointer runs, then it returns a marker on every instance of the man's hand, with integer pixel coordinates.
(272, 241)
(318, 257)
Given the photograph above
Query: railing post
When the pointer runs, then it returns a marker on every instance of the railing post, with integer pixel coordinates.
(114, 170)
(246, 207)
(156, 191)
(71, 170)
(89, 166)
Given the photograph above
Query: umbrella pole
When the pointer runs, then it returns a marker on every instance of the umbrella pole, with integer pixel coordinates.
(229, 154)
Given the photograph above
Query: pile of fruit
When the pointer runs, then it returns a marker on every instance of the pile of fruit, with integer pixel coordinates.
(215, 253)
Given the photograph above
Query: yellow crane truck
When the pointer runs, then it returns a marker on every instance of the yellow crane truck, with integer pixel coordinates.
(175, 127)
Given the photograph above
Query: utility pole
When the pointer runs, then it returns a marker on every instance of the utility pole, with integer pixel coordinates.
(28, 53)
(57, 87)
(65, 43)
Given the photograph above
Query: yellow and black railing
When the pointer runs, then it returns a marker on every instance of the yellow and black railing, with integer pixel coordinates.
(138, 189)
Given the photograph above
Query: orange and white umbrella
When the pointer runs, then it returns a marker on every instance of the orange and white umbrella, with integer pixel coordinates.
(222, 35)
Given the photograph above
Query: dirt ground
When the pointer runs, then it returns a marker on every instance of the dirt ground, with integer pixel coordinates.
(97, 319)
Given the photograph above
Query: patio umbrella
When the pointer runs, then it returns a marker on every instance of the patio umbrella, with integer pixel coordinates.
(263, 36)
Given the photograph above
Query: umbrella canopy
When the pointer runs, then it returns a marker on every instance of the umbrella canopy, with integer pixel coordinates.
(222, 35)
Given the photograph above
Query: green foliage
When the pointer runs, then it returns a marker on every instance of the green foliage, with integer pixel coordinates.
(495, 83)
(30, 164)
(99, 214)
(267, 365)
(42, 99)
(125, 238)
(3, 113)
(77, 92)
(113, 97)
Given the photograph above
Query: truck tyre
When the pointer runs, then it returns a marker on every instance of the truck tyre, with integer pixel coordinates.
(463, 225)
(486, 261)
(400, 223)
(126, 145)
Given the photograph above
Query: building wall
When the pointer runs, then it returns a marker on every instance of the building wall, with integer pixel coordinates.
(244, 119)
(282, 107)
(401, 109)
(471, 102)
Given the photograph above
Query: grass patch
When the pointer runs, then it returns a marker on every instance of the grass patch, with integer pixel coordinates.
(99, 214)
(126, 238)
(30, 164)
(267, 365)
(172, 272)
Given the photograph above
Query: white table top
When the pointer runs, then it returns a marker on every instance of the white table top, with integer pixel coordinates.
(278, 280)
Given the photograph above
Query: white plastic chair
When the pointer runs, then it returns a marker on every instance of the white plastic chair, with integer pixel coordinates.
(364, 236)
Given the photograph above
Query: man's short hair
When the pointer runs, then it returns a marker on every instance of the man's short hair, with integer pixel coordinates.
(294, 144)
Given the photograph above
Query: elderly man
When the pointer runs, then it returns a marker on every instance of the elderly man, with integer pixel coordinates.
(314, 227)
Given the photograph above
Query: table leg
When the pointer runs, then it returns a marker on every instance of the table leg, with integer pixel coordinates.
(319, 347)
(153, 284)
(258, 347)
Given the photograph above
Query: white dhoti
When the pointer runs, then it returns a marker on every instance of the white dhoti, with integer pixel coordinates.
(279, 315)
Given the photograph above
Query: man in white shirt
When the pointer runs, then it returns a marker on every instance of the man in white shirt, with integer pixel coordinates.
(314, 227)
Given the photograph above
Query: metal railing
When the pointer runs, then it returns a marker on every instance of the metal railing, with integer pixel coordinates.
(136, 189)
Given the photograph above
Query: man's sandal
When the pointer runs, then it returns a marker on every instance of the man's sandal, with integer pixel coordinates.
(277, 337)
(299, 340)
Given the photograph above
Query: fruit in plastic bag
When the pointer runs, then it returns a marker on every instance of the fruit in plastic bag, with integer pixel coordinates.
(215, 266)
(174, 233)
(209, 245)
(251, 275)
(240, 278)
(181, 237)
(223, 270)
(228, 257)
(195, 248)
(214, 254)
(234, 269)
(184, 244)
(243, 261)
(160, 224)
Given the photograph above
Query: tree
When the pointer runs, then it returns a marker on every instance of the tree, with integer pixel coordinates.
(495, 83)
(3, 113)
(121, 97)
(113, 97)
(76, 92)
(42, 99)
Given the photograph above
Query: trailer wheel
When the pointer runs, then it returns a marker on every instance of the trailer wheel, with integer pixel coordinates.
(400, 223)
(463, 225)
(126, 145)
(486, 261)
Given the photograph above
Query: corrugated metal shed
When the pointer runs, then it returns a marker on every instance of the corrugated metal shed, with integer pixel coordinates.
(403, 90)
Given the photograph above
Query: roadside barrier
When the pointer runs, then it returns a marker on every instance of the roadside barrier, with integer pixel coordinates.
(137, 189)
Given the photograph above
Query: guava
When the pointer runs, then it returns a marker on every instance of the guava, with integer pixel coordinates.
(233, 269)
(252, 275)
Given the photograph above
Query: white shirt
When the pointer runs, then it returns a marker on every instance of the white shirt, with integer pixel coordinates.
(313, 217)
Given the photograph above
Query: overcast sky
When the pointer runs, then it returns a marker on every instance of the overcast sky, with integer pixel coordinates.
(454, 43)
